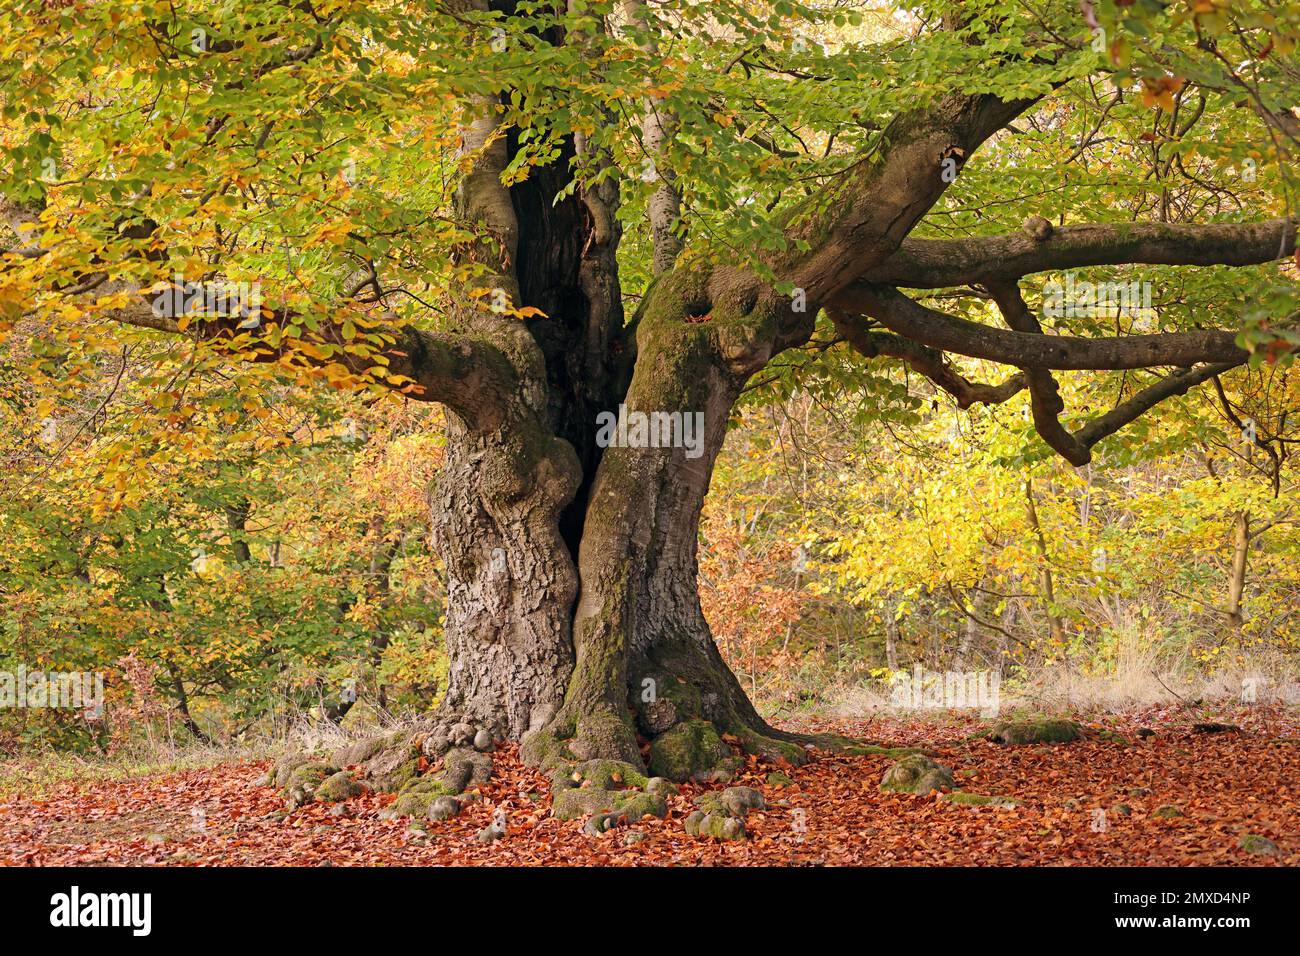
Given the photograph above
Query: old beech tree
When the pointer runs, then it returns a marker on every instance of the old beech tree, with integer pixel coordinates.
(573, 621)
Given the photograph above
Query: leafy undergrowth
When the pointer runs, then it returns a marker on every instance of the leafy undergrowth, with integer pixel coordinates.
(1224, 786)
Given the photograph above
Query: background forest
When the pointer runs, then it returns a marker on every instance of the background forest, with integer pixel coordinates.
(266, 567)
(242, 551)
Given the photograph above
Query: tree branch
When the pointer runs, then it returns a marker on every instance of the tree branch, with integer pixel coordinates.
(1045, 400)
(942, 263)
(939, 330)
(927, 361)
(876, 203)
(467, 375)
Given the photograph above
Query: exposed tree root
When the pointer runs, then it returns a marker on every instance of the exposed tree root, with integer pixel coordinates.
(600, 767)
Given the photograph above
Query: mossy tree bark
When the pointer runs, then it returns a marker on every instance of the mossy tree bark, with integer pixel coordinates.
(572, 569)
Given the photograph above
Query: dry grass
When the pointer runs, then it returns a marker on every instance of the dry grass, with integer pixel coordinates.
(1142, 671)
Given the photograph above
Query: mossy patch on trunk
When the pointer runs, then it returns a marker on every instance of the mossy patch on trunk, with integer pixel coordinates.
(688, 751)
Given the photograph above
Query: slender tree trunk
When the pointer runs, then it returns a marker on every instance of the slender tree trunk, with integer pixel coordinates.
(891, 634)
(1046, 590)
(1237, 577)
(237, 516)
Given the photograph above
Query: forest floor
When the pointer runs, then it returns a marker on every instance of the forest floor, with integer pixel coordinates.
(1223, 785)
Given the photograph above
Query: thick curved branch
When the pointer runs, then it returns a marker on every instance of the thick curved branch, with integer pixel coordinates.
(469, 376)
(874, 205)
(658, 128)
(1039, 247)
(927, 361)
(938, 330)
(1045, 400)
(1179, 383)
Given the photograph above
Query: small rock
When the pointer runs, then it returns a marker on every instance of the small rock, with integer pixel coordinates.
(462, 734)
(482, 741)
(443, 808)
(917, 774)
(776, 779)
(633, 837)
(1122, 809)
(1258, 845)
(1145, 732)
(1168, 811)
(1213, 728)
(1139, 792)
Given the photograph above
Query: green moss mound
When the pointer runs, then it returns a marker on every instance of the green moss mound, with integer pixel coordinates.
(1257, 845)
(1047, 731)
(917, 774)
(336, 787)
(688, 751)
(980, 800)
(629, 805)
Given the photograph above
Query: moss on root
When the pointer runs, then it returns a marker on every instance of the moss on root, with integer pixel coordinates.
(280, 772)
(604, 734)
(734, 801)
(304, 780)
(463, 767)
(607, 775)
(336, 787)
(980, 800)
(363, 750)
(721, 814)
(544, 749)
(409, 804)
(310, 774)
(432, 786)
(871, 750)
(632, 805)
(690, 750)
(616, 789)
(718, 826)
(917, 774)
(1046, 731)
(385, 763)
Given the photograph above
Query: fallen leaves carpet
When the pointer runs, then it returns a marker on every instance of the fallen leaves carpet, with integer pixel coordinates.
(1224, 785)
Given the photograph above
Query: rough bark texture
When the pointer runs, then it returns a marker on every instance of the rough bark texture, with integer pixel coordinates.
(510, 580)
